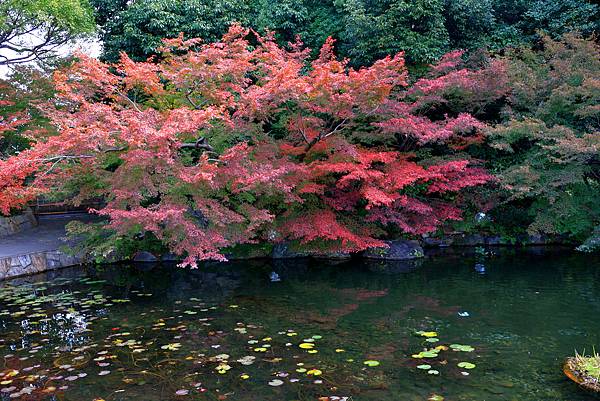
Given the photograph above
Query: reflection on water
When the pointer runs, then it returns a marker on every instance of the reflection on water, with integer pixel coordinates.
(462, 327)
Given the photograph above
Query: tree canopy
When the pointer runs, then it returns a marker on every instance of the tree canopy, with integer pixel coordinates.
(365, 30)
(223, 144)
(31, 30)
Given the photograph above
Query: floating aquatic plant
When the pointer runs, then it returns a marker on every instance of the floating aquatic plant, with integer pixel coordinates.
(466, 365)
(462, 348)
(584, 370)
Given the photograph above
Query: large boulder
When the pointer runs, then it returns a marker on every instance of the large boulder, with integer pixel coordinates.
(145, 257)
(396, 250)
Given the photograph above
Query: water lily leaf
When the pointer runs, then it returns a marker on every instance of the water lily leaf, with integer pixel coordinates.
(314, 372)
(432, 340)
(275, 382)
(466, 365)
(424, 367)
(462, 348)
(371, 363)
(307, 345)
(435, 397)
(433, 372)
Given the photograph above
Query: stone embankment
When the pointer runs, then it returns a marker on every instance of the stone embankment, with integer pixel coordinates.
(34, 245)
(29, 246)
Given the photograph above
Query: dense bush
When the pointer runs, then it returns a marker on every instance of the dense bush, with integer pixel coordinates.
(549, 142)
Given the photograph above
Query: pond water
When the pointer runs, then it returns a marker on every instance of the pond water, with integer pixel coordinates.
(352, 330)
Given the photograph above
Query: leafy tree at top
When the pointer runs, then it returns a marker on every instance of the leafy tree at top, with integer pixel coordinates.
(496, 24)
(31, 30)
(376, 28)
(139, 27)
(366, 30)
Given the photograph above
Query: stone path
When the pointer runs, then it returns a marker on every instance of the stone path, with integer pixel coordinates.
(37, 249)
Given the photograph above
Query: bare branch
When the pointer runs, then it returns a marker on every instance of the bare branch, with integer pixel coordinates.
(134, 104)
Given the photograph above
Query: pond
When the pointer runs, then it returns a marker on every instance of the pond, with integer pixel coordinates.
(473, 326)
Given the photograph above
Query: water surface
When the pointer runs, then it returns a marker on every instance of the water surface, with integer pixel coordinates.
(226, 332)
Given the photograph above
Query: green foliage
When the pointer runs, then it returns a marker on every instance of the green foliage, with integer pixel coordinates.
(24, 87)
(51, 22)
(547, 148)
(588, 366)
(139, 27)
(556, 18)
(101, 244)
(376, 29)
(496, 24)
(365, 30)
(74, 16)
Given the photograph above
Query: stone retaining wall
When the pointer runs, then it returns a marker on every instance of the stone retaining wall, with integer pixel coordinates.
(14, 224)
(26, 264)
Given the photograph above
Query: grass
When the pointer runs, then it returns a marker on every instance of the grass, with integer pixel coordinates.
(588, 365)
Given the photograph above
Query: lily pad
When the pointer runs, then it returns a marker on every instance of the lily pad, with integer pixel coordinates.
(462, 348)
(466, 365)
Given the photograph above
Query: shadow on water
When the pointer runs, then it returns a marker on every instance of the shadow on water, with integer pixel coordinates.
(471, 324)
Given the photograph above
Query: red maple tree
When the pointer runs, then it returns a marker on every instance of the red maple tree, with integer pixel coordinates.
(243, 141)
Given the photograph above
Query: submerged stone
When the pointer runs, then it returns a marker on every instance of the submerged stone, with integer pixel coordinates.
(396, 250)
